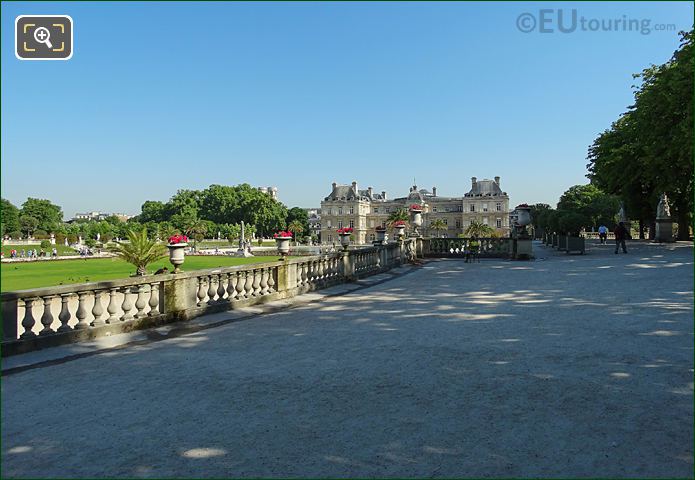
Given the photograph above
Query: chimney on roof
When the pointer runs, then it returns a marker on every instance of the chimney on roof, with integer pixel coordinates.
(434, 191)
(473, 181)
(334, 185)
(383, 195)
(354, 186)
(370, 190)
(497, 181)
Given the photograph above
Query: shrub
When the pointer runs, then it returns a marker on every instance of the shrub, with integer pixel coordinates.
(72, 239)
(60, 238)
(15, 234)
(39, 234)
(45, 244)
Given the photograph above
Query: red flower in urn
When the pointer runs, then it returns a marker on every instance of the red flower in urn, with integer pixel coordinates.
(399, 223)
(416, 208)
(344, 231)
(283, 234)
(176, 239)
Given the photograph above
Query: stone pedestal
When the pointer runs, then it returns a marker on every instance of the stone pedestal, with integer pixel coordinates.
(524, 249)
(664, 230)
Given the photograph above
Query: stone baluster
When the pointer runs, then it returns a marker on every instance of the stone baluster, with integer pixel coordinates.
(241, 281)
(28, 321)
(271, 280)
(112, 307)
(97, 309)
(141, 302)
(81, 313)
(256, 283)
(211, 290)
(127, 305)
(248, 286)
(47, 317)
(201, 291)
(154, 299)
(264, 281)
(231, 286)
(305, 273)
(64, 315)
(221, 287)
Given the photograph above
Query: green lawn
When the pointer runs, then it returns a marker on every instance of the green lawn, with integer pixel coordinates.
(20, 276)
(226, 244)
(62, 249)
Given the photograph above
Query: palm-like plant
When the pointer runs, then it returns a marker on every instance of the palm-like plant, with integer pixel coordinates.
(437, 225)
(296, 228)
(478, 229)
(399, 215)
(139, 251)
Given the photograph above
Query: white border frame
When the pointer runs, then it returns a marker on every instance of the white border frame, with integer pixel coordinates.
(72, 36)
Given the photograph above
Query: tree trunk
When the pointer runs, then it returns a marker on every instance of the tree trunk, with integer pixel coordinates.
(683, 226)
(641, 229)
(652, 230)
(142, 270)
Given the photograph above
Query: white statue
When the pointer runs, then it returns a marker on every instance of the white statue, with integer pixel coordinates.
(663, 210)
(621, 213)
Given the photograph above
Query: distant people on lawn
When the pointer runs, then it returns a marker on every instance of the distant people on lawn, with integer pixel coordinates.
(621, 235)
(603, 233)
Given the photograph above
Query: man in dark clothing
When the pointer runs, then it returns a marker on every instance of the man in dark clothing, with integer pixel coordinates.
(620, 233)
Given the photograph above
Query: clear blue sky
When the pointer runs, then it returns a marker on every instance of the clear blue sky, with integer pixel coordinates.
(162, 96)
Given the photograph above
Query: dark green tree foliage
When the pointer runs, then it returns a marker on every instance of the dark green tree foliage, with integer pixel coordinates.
(648, 150)
(594, 206)
(152, 211)
(9, 217)
(296, 214)
(48, 216)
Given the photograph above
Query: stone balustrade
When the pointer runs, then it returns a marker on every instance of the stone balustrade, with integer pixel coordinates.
(44, 317)
(456, 247)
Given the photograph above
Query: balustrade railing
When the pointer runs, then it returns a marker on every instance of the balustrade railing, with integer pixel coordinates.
(43, 317)
(458, 247)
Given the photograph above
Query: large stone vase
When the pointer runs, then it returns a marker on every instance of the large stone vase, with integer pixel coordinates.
(177, 255)
(345, 240)
(283, 245)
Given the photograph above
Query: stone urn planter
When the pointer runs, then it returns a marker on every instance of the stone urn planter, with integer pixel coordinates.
(524, 216)
(400, 230)
(416, 218)
(380, 236)
(177, 255)
(283, 245)
(344, 234)
(282, 242)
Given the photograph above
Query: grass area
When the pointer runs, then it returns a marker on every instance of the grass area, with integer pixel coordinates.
(20, 276)
(226, 244)
(62, 249)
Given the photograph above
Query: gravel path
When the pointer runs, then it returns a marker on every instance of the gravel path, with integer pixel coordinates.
(566, 366)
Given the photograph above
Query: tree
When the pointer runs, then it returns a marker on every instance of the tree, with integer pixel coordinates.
(648, 150)
(48, 216)
(140, 251)
(28, 224)
(9, 217)
(152, 211)
(296, 214)
(296, 228)
(437, 225)
(399, 215)
(595, 206)
(479, 230)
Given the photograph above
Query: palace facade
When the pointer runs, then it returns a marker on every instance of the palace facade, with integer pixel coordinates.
(364, 210)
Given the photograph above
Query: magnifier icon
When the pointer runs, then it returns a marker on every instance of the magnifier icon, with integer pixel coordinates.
(43, 35)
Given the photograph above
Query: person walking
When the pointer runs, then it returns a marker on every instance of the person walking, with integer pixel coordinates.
(620, 233)
(603, 233)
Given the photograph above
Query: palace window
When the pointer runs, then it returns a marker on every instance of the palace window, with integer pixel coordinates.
(352, 224)
(434, 209)
(458, 223)
(328, 223)
(445, 221)
(499, 223)
(371, 223)
(376, 209)
(330, 238)
(486, 221)
(499, 207)
(352, 210)
(372, 237)
(484, 207)
(340, 224)
(340, 210)
(472, 207)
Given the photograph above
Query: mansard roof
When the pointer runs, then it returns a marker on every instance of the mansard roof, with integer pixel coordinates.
(485, 188)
